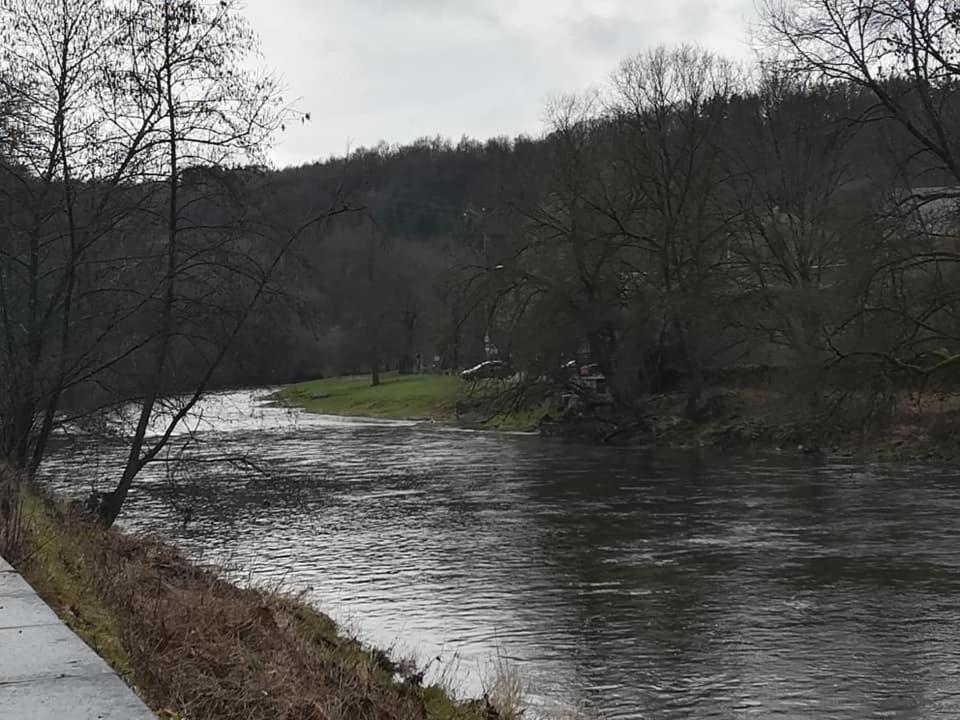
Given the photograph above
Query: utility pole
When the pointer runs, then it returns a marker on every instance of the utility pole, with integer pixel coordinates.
(488, 348)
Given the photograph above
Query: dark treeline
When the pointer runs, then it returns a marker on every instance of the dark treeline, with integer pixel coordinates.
(691, 219)
(691, 222)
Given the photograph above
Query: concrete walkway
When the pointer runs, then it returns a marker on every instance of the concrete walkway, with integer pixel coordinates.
(47, 672)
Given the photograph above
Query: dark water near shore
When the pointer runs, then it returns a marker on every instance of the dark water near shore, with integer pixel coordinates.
(622, 583)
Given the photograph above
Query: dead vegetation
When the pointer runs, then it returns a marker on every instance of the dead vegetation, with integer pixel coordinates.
(901, 425)
(196, 647)
(505, 691)
(895, 425)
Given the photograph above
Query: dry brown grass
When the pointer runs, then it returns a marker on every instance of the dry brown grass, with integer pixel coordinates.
(505, 690)
(198, 648)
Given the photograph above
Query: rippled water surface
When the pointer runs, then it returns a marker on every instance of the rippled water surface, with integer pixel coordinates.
(623, 583)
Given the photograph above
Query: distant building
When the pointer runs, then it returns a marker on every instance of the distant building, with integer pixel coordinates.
(936, 207)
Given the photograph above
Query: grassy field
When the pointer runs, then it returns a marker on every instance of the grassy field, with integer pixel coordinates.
(404, 397)
(401, 397)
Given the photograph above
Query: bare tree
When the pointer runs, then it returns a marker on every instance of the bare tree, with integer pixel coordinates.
(669, 108)
(804, 227)
(903, 54)
(65, 174)
(132, 241)
(568, 256)
(188, 61)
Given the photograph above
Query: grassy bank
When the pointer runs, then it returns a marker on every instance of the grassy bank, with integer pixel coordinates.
(399, 397)
(194, 646)
(443, 398)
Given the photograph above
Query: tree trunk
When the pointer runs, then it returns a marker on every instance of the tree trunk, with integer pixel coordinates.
(374, 366)
(406, 365)
(53, 401)
(695, 390)
(694, 393)
(24, 415)
(111, 503)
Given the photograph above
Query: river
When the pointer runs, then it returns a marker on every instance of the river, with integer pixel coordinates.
(621, 583)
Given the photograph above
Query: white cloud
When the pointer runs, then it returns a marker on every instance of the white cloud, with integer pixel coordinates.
(368, 70)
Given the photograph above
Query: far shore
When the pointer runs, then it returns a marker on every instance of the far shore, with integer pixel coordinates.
(436, 397)
(735, 419)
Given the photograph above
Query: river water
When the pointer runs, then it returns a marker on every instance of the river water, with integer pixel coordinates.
(621, 583)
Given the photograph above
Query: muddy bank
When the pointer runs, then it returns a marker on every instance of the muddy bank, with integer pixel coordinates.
(909, 429)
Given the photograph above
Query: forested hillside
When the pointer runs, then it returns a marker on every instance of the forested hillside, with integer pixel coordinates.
(690, 221)
(693, 218)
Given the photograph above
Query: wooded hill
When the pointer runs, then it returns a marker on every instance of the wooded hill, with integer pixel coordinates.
(689, 218)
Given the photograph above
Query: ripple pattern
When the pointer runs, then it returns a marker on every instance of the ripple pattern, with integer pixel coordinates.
(624, 584)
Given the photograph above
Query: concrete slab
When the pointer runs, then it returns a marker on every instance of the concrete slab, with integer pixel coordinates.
(46, 651)
(47, 672)
(19, 611)
(5, 566)
(103, 697)
(12, 585)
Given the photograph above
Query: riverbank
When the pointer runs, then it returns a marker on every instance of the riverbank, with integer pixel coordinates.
(440, 398)
(194, 646)
(905, 428)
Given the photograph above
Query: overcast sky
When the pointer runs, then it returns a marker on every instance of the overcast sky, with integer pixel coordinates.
(396, 70)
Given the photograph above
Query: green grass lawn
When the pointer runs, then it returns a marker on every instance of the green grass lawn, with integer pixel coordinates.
(401, 397)
(398, 397)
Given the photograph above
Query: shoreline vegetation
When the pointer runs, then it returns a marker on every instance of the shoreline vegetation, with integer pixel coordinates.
(905, 426)
(193, 645)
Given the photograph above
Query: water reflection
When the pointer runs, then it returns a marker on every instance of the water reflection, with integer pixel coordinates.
(630, 584)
